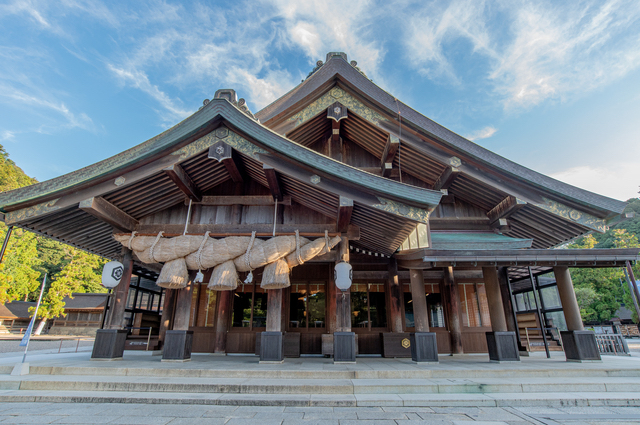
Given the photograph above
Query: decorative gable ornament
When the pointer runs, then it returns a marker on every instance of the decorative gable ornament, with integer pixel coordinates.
(112, 273)
(337, 111)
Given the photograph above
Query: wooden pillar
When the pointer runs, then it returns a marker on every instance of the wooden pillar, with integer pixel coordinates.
(505, 295)
(274, 310)
(452, 305)
(418, 295)
(223, 312)
(494, 299)
(168, 309)
(183, 308)
(122, 292)
(331, 302)
(568, 298)
(343, 299)
(396, 304)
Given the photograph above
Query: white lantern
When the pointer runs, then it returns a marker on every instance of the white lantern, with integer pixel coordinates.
(112, 274)
(343, 276)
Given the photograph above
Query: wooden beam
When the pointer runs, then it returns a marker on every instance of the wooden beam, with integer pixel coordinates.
(386, 169)
(393, 173)
(390, 150)
(177, 174)
(224, 153)
(262, 230)
(446, 178)
(505, 208)
(259, 200)
(273, 182)
(108, 213)
(345, 208)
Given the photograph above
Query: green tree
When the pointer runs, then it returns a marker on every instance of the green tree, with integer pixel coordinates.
(81, 273)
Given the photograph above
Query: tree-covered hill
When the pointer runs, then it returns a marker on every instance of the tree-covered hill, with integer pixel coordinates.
(601, 292)
(29, 256)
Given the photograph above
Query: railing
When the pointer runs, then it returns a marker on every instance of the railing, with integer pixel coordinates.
(71, 339)
(612, 344)
(148, 338)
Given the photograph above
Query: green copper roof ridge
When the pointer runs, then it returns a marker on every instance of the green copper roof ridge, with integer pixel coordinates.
(190, 126)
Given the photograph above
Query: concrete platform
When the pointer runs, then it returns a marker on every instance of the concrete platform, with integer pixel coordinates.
(469, 380)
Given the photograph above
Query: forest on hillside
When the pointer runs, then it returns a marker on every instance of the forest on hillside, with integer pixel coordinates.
(600, 292)
(29, 256)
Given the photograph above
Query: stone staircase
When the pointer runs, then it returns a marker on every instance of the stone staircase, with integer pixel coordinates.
(477, 386)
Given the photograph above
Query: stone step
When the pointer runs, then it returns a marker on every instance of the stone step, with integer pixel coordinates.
(316, 386)
(266, 372)
(549, 399)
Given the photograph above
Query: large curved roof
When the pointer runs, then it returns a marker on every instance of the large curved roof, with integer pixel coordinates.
(338, 70)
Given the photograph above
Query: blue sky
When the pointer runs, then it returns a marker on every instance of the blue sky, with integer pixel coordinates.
(554, 86)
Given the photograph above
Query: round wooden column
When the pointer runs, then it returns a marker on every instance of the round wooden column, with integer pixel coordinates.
(418, 295)
(274, 310)
(116, 317)
(452, 305)
(223, 314)
(568, 298)
(494, 299)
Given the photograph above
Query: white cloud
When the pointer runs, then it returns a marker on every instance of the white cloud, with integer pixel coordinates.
(6, 135)
(484, 133)
(620, 181)
(140, 81)
(71, 119)
(334, 25)
(545, 50)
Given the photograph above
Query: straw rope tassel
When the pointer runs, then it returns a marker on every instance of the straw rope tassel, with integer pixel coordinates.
(247, 260)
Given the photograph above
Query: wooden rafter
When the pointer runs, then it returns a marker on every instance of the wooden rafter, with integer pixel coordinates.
(446, 178)
(176, 173)
(388, 154)
(224, 153)
(273, 182)
(345, 208)
(108, 213)
(505, 208)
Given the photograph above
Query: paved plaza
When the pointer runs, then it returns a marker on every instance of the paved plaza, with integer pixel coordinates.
(91, 413)
(139, 369)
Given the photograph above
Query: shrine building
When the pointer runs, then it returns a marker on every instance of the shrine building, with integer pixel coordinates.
(234, 227)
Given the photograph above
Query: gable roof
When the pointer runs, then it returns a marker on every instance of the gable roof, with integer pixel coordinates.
(338, 71)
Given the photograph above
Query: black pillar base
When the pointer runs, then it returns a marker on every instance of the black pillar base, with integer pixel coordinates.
(344, 347)
(424, 347)
(580, 346)
(177, 346)
(503, 347)
(109, 344)
(271, 347)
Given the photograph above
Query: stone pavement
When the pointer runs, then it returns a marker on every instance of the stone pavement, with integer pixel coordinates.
(70, 413)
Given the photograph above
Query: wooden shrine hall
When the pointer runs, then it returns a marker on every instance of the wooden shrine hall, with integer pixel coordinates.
(250, 222)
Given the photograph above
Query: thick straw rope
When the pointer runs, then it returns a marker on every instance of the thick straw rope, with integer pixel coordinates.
(154, 245)
(326, 242)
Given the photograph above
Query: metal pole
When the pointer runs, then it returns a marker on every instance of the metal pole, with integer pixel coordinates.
(35, 315)
(542, 306)
(542, 325)
(6, 242)
(633, 281)
(632, 284)
(106, 308)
